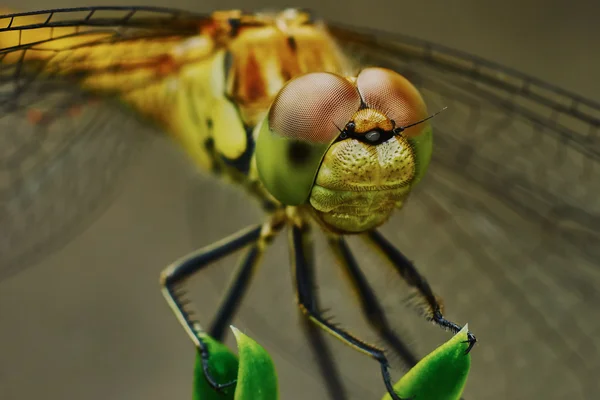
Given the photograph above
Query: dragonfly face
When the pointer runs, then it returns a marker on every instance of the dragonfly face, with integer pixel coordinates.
(338, 144)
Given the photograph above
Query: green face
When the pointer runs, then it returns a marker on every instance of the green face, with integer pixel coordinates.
(324, 126)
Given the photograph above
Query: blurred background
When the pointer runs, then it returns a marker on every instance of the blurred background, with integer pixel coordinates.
(89, 320)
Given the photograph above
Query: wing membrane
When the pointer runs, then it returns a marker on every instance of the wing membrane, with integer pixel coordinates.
(61, 159)
(80, 42)
(63, 147)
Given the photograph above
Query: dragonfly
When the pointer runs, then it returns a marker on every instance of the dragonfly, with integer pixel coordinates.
(326, 126)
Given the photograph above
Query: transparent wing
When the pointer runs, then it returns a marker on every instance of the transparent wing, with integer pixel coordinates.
(510, 215)
(63, 152)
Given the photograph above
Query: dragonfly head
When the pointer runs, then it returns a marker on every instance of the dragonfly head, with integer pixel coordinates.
(347, 147)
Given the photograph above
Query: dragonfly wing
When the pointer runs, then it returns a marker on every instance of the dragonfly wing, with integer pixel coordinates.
(510, 210)
(61, 158)
(64, 149)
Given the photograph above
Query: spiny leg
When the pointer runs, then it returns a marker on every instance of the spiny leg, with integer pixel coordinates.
(409, 273)
(179, 271)
(304, 293)
(240, 282)
(247, 265)
(315, 335)
(369, 303)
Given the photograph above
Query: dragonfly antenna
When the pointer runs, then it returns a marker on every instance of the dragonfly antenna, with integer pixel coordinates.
(402, 128)
(342, 132)
(338, 128)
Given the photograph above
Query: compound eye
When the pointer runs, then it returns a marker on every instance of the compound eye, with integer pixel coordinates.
(301, 124)
(389, 92)
(312, 107)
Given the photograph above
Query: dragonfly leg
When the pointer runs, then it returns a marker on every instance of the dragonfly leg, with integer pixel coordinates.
(320, 348)
(305, 298)
(408, 271)
(175, 274)
(368, 300)
(241, 281)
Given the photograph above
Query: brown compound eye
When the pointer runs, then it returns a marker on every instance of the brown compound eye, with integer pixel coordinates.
(312, 107)
(389, 92)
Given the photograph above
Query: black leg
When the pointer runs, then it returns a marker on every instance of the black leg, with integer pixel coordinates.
(304, 293)
(433, 309)
(319, 346)
(237, 288)
(368, 300)
(174, 275)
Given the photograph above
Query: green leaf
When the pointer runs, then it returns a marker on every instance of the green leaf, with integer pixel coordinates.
(223, 366)
(441, 375)
(257, 379)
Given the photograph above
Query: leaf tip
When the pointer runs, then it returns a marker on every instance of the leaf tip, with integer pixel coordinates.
(235, 330)
(240, 337)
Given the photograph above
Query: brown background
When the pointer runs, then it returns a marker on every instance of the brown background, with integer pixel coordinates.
(89, 320)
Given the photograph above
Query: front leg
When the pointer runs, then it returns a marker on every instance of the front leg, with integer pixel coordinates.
(257, 238)
(411, 276)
